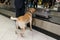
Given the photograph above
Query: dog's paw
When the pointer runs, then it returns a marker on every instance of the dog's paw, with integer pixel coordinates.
(30, 29)
(16, 32)
(21, 35)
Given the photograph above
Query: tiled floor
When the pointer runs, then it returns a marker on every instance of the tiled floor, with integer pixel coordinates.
(7, 32)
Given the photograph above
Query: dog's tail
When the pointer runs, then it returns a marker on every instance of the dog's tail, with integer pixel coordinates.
(13, 18)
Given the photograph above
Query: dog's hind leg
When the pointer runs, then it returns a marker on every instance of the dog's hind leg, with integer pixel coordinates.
(22, 32)
(16, 28)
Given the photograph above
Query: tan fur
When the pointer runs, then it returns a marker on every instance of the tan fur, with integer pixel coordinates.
(23, 20)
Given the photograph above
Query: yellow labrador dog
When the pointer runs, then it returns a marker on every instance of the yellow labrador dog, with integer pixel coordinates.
(23, 20)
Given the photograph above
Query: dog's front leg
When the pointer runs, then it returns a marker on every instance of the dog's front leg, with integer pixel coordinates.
(31, 24)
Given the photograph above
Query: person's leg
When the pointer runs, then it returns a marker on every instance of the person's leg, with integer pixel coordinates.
(36, 5)
(17, 12)
(23, 11)
(20, 12)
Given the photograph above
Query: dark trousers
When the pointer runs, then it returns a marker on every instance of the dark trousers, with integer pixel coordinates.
(35, 5)
(20, 11)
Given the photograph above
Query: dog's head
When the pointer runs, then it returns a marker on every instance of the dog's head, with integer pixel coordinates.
(32, 10)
